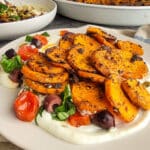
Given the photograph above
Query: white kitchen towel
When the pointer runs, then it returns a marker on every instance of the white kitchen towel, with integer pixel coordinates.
(143, 34)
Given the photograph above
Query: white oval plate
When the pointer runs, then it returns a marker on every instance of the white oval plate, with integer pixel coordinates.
(12, 30)
(31, 137)
(104, 14)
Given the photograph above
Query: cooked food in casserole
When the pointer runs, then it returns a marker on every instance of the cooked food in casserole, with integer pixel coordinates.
(116, 2)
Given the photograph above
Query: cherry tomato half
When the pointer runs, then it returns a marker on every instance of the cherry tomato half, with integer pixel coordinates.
(26, 106)
(63, 32)
(26, 51)
(41, 38)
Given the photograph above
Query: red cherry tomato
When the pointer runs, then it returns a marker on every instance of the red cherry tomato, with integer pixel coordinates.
(26, 106)
(26, 51)
(41, 38)
(63, 32)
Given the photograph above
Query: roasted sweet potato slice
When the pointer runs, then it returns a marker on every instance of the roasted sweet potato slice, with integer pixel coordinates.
(121, 104)
(119, 62)
(66, 41)
(137, 93)
(136, 69)
(92, 76)
(58, 56)
(130, 46)
(45, 88)
(110, 62)
(79, 59)
(40, 64)
(44, 78)
(102, 37)
(65, 66)
(88, 97)
(95, 30)
(89, 43)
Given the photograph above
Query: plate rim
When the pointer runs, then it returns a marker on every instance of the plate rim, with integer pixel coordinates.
(52, 30)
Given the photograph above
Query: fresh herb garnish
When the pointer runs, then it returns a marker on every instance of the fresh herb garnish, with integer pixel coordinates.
(67, 107)
(40, 111)
(28, 38)
(45, 34)
(15, 18)
(3, 8)
(10, 64)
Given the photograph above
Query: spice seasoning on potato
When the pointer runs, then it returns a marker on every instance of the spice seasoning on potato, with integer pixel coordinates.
(137, 93)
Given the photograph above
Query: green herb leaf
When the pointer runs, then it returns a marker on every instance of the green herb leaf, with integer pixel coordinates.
(72, 109)
(3, 8)
(54, 116)
(10, 64)
(62, 116)
(15, 18)
(28, 38)
(45, 34)
(67, 108)
(67, 92)
(60, 108)
(40, 111)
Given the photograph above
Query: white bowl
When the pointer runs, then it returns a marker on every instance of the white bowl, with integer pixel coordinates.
(104, 14)
(15, 29)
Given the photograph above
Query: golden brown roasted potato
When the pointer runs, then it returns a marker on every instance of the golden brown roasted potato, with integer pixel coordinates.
(45, 88)
(40, 64)
(79, 59)
(92, 76)
(135, 69)
(130, 46)
(116, 61)
(137, 93)
(121, 104)
(89, 97)
(102, 37)
(110, 62)
(58, 57)
(44, 78)
(66, 41)
(56, 54)
(89, 43)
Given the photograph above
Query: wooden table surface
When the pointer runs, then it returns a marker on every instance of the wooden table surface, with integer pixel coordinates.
(59, 22)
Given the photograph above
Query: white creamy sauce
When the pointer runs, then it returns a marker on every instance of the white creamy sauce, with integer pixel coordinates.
(5, 81)
(90, 134)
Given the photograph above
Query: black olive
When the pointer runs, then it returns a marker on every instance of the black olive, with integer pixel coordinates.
(103, 119)
(10, 53)
(73, 78)
(37, 43)
(51, 102)
(16, 76)
(136, 58)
